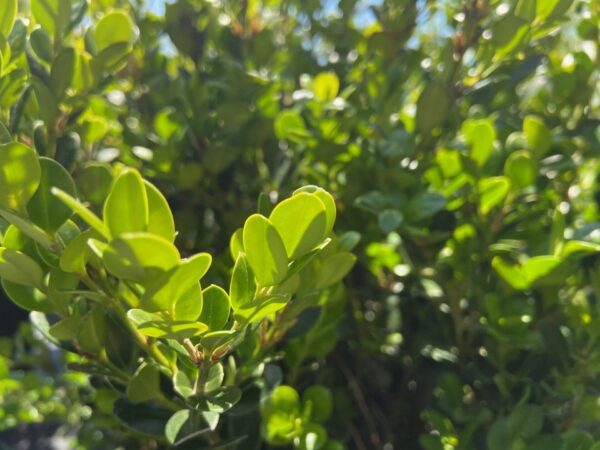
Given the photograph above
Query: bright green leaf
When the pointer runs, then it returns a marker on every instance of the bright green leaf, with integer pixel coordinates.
(265, 251)
(216, 308)
(301, 221)
(326, 86)
(160, 218)
(243, 286)
(140, 257)
(115, 27)
(20, 175)
(126, 208)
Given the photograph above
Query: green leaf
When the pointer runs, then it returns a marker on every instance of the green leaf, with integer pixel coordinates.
(88, 216)
(28, 228)
(47, 101)
(5, 137)
(526, 9)
(492, 192)
(326, 86)
(321, 402)
(63, 71)
(145, 418)
(144, 386)
(265, 251)
(236, 243)
(154, 325)
(66, 329)
(523, 276)
(163, 294)
(94, 181)
(27, 297)
(92, 334)
(290, 125)
(111, 59)
(223, 399)
(513, 275)
(8, 14)
(279, 412)
(211, 341)
(126, 208)
(424, 205)
(520, 169)
(182, 384)
(576, 440)
(19, 268)
(77, 253)
(301, 221)
(507, 33)
(328, 201)
(433, 107)
(45, 209)
(52, 15)
(175, 424)
(333, 268)
(579, 247)
(42, 44)
(261, 307)
(389, 220)
(314, 437)
(480, 135)
(20, 175)
(140, 257)
(216, 308)
(190, 304)
(160, 218)
(538, 135)
(115, 27)
(243, 286)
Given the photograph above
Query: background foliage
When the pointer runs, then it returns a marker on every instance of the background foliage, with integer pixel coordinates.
(459, 138)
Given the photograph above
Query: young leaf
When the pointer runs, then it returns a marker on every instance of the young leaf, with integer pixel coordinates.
(175, 425)
(153, 325)
(8, 13)
(160, 218)
(492, 192)
(115, 27)
(265, 251)
(20, 175)
(236, 244)
(140, 257)
(45, 209)
(190, 304)
(126, 208)
(301, 221)
(326, 86)
(242, 287)
(321, 402)
(163, 294)
(262, 307)
(327, 200)
(216, 308)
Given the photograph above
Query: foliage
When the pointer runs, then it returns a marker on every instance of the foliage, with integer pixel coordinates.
(459, 138)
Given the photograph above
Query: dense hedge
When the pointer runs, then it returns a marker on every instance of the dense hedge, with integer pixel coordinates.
(460, 140)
